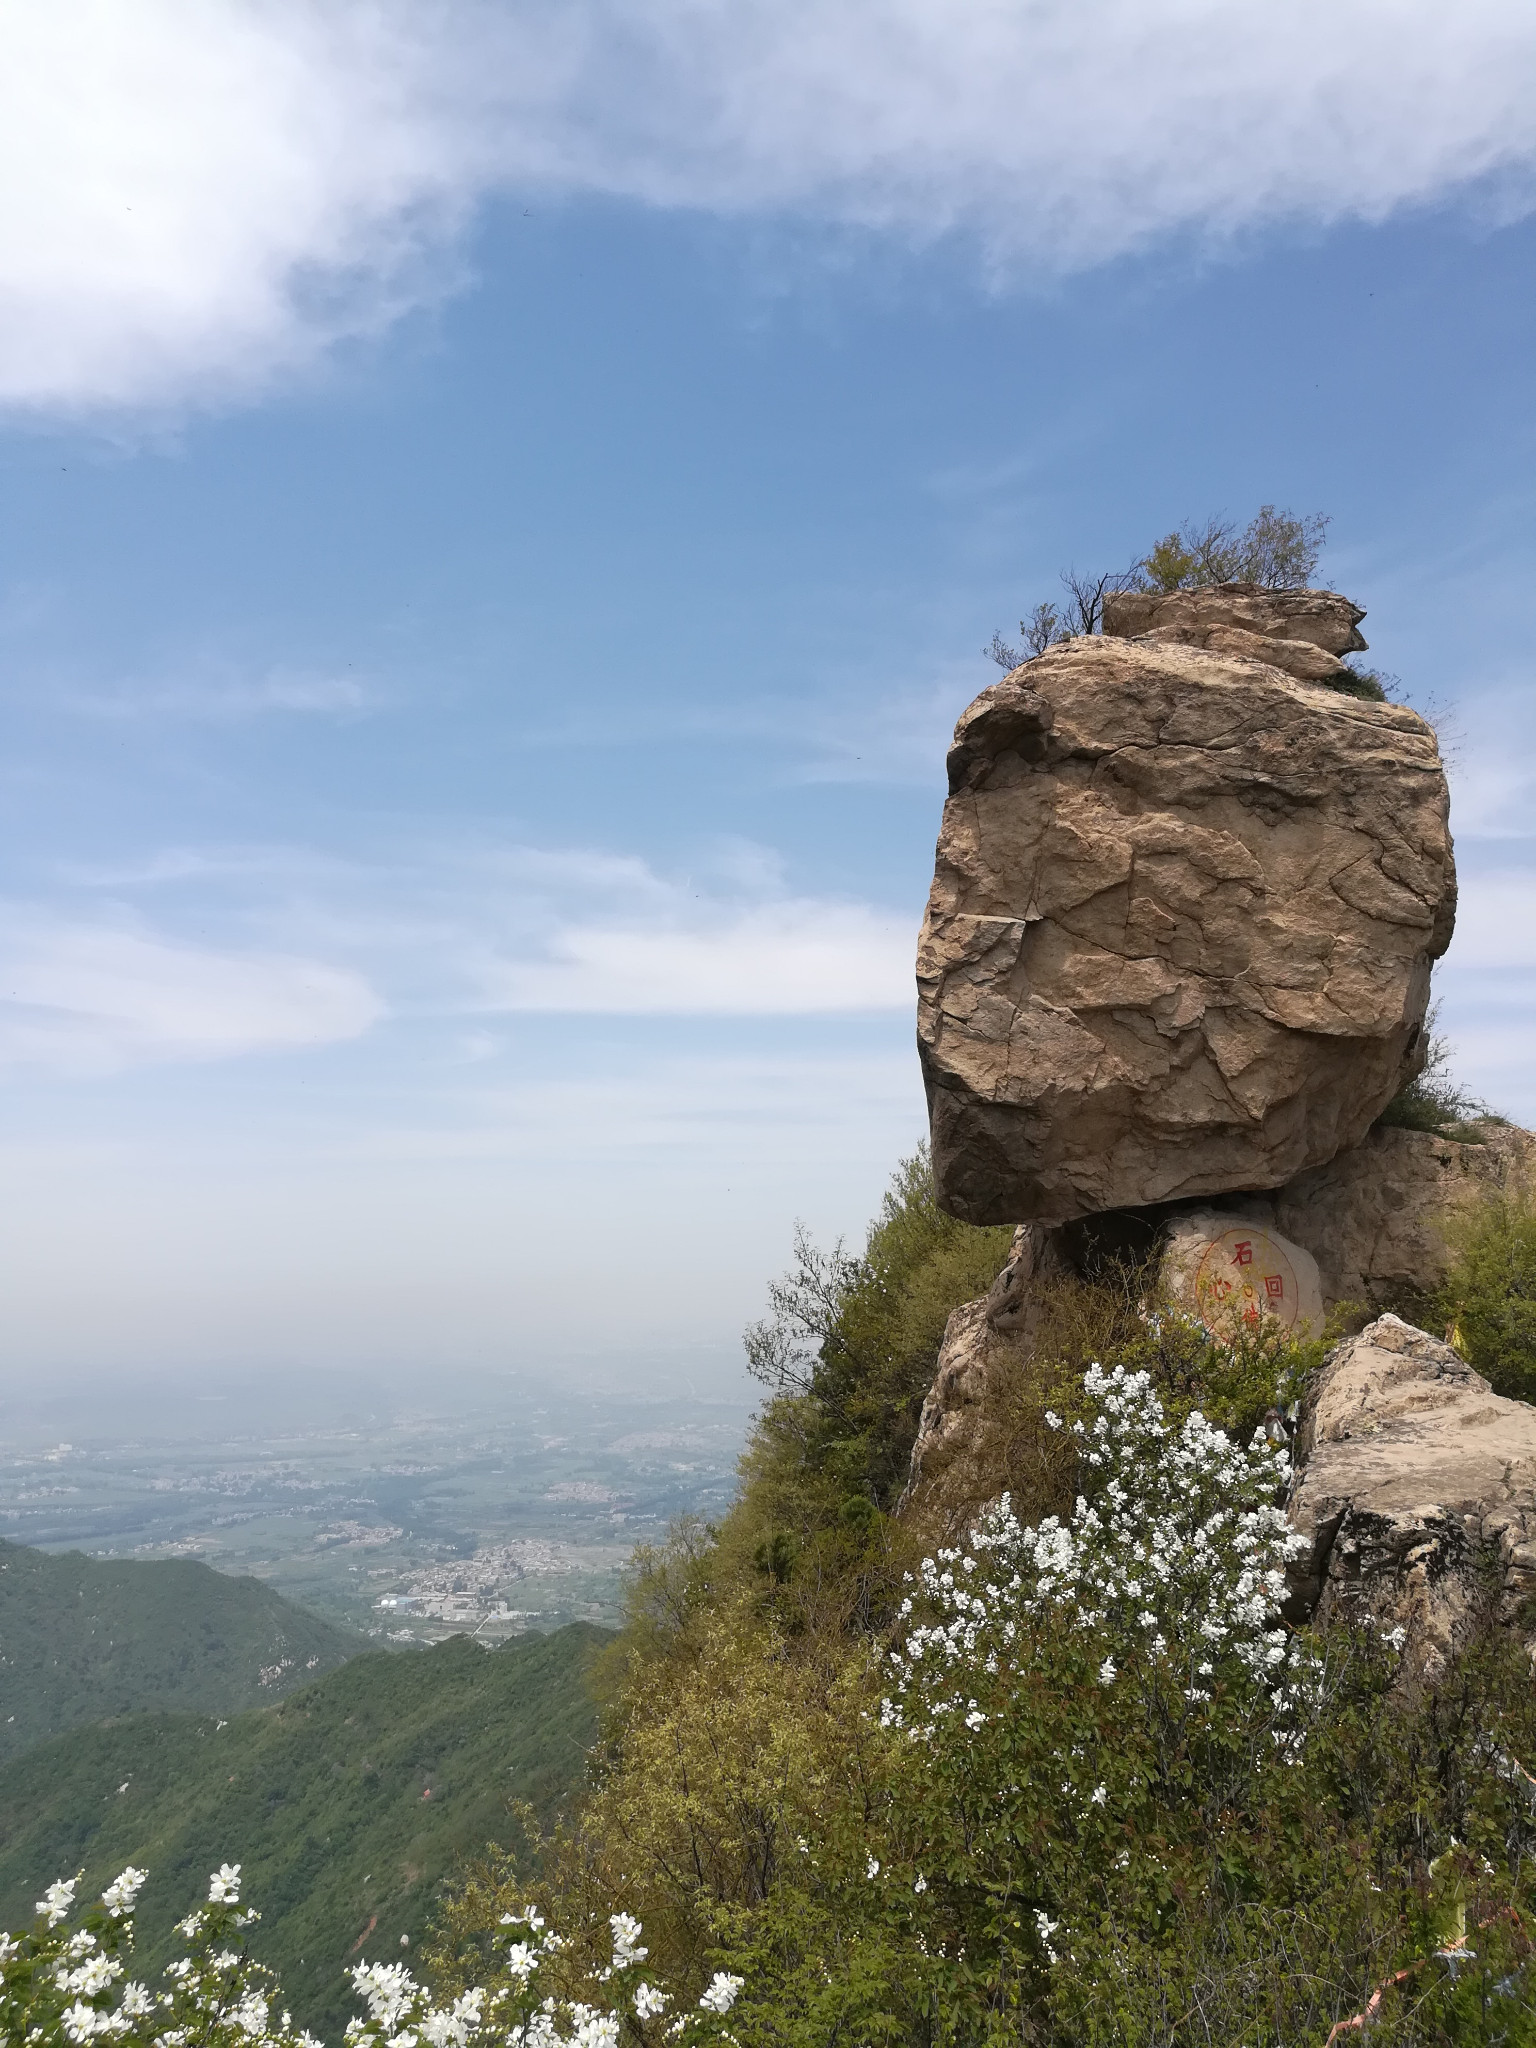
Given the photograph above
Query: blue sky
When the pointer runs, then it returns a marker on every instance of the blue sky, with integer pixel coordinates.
(499, 512)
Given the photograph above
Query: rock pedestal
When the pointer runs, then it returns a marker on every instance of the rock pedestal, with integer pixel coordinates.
(1180, 932)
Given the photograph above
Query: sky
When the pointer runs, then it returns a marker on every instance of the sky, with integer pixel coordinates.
(500, 508)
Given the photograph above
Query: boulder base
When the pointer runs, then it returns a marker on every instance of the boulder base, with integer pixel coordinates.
(1377, 1218)
(1180, 932)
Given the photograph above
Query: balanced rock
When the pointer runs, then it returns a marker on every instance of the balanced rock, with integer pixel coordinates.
(1180, 931)
(1416, 1493)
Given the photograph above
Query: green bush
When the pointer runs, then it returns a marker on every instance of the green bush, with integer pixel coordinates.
(1489, 1296)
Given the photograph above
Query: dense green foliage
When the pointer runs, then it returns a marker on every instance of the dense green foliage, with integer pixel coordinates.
(346, 1804)
(1489, 1296)
(750, 1807)
(82, 1638)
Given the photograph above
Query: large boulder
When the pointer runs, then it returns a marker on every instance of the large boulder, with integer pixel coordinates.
(1180, 932)
(1416, 1494)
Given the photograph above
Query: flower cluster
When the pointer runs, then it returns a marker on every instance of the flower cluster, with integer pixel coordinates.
(1174, 1560)
(514, 2014)
(70, 1986)
(66, 1987)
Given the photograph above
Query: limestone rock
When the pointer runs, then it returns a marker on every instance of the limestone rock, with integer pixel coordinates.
(1416, 1491)
(954, 1407)
(1224, 1268)
(983, 1341)
(1376, 1217)
(1302, 632)
(1180, 931)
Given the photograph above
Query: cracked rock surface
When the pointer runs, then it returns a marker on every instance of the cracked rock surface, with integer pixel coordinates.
(1416, 1492)
(1181, 926)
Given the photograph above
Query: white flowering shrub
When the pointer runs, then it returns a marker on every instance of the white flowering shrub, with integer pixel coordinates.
(1175, 1563)
(514, 2010)
(64, 1983)
(1081, 1690)
(61, 1985)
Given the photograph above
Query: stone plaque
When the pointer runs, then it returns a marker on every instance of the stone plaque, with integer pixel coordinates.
(1227, 1269)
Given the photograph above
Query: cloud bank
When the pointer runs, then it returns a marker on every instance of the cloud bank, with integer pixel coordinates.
(86, 999)
(199, 196)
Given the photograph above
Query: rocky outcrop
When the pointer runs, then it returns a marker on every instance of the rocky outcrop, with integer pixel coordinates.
(1416, 1492)
(955, 1409)
(982, 1340)
(1302, 632)
(1180, 930)
(1378, 1219)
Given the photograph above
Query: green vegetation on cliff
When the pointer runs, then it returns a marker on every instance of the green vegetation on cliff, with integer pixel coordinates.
(83, 1638)
(346, 1804)
(1118, 1821)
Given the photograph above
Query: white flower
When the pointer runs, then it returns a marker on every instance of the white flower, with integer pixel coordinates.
(872, 1868)
(649, 2002)
(1107, 1672)
(1099, 1796)
(721, 1994)
(626, 1937)
(224, 1885)
(80, 2022)
(922, 1884)
(522, 1961)
(56, 1902)
(120, 1894)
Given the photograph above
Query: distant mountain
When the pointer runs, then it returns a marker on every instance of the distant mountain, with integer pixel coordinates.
(82, 1639)
(345, 1804)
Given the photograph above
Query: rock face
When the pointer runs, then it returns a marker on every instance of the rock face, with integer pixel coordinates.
(1225, 1269)
(1181, 925)
(1375, 1218)
(982, 1340)
(1416, 1491)
(1302, 632)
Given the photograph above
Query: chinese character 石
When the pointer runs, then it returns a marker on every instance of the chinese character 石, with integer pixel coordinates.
(1274, 1286)
(1243, 1256)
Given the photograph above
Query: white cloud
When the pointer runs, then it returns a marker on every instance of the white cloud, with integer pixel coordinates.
(82, 999)
(228, 700)
(197, 195)
(469, 931)
(792, 957)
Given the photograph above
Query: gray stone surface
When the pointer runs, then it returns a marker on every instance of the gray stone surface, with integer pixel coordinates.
(1180, 932)
(1379, 1218)
(1416, 1492)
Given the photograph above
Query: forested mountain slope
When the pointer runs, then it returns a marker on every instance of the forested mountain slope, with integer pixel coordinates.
(345, 1804)
(82, 1639)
